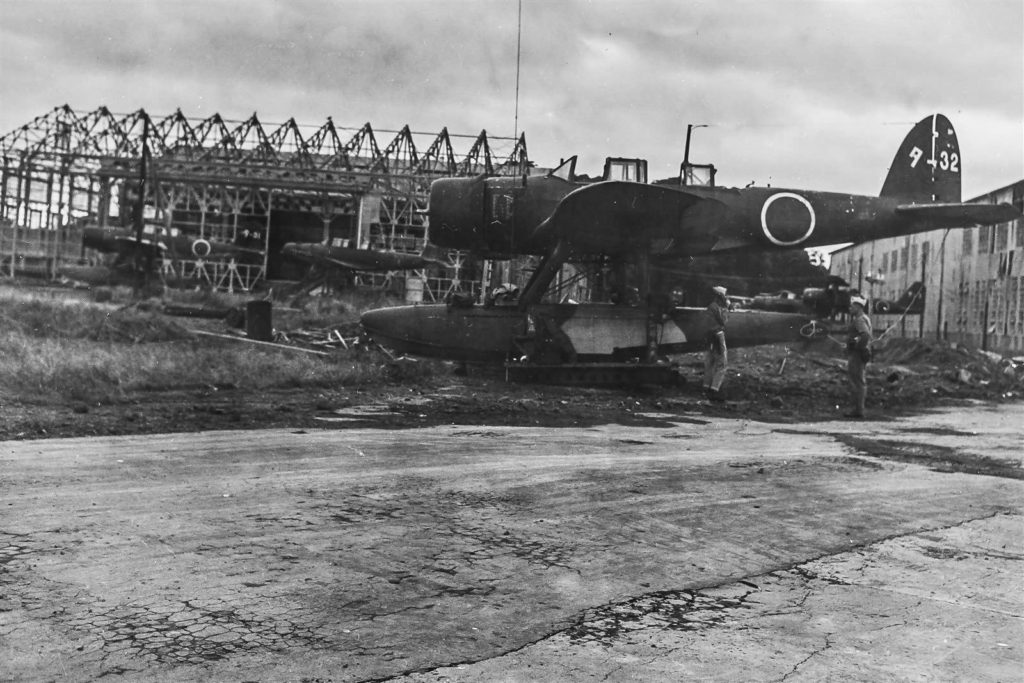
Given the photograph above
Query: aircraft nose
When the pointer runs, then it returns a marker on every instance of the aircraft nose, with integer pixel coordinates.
(456, 212)
(371, 320)
(384, 324)
(399, 328)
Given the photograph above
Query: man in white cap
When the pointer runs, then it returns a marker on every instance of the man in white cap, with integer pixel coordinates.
(858, 353)
(715, 358)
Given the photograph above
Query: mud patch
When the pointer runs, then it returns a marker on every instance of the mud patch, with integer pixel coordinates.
(935, 457)
(860, 462)
(690, 420)
(670, 610)
(10, 551)
(937, 431)
(940, 553)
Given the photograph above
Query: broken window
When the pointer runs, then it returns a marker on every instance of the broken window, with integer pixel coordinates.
(1005, 264)
(1018, 315)
(984, 239)
(962, 320)
(1002, 236)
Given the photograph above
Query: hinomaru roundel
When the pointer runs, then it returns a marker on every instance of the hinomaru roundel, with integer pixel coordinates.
(787, 219)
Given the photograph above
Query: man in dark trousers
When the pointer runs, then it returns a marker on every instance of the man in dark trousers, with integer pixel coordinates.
(715, 358)
(858, 353)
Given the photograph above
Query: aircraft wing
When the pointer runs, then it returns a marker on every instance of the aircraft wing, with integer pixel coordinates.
(615, 216)
(147, 245)
(354, 264)
(111, 240)
(383, 261)
(959, 214)
(358, 259)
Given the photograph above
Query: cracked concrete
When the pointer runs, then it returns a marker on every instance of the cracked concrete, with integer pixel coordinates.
(720, 549)
(882, 611)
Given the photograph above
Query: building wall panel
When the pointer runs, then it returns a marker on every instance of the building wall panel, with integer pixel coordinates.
(973, 278)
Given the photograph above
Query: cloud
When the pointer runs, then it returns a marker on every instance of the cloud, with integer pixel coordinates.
(815, 92)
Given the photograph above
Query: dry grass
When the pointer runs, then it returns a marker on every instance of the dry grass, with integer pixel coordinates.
(76, 349)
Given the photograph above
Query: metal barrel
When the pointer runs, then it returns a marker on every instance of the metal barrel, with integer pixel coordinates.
(258, 323)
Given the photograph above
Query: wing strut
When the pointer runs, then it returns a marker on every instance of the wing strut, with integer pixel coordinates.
(543, 276)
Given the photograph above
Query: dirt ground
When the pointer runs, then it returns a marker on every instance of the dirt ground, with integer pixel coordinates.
(780, 383)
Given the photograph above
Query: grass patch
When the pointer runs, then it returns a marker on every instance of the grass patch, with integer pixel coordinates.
(88, 321)
(33, 369)
(80, 350)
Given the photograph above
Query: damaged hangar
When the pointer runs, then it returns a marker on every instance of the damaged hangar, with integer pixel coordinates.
(227, 195)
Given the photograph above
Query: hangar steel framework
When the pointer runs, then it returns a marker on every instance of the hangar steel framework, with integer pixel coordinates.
(242, 185)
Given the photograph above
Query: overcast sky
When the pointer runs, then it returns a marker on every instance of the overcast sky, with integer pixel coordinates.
(813, 94)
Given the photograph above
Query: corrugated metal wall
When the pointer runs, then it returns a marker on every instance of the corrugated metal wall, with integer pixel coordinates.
(974, 279)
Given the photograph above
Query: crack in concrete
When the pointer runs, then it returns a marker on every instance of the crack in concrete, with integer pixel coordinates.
(151, 630)
(611, 672)
(810, 575)
(815, 653)
(612, 621)
(196, 632)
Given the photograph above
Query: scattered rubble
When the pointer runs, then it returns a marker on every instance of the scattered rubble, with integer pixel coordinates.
(342, 336)
(905, 374)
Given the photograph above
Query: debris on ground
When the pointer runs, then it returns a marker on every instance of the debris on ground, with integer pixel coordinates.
(904, 374)
(342, 336)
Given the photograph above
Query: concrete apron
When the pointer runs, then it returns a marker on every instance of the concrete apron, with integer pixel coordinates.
(721, 549)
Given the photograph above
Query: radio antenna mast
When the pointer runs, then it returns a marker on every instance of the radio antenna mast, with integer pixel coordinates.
(519, 43)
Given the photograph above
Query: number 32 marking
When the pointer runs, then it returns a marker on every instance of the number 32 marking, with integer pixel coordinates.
(949, 162)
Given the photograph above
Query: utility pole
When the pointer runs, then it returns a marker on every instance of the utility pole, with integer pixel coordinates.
(142, 263)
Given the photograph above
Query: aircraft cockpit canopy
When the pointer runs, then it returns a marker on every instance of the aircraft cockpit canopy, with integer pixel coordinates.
(697, 175)
(615, 168)
(618, 168)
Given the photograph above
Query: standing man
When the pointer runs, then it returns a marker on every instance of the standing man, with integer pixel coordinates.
(858, 353)
(715, 358)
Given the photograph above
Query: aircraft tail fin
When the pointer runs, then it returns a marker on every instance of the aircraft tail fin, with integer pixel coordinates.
(927, 166)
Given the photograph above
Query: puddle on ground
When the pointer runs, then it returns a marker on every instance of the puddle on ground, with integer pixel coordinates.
(935, 457)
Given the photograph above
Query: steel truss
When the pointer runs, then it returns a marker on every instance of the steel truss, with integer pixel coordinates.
(221, 181)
